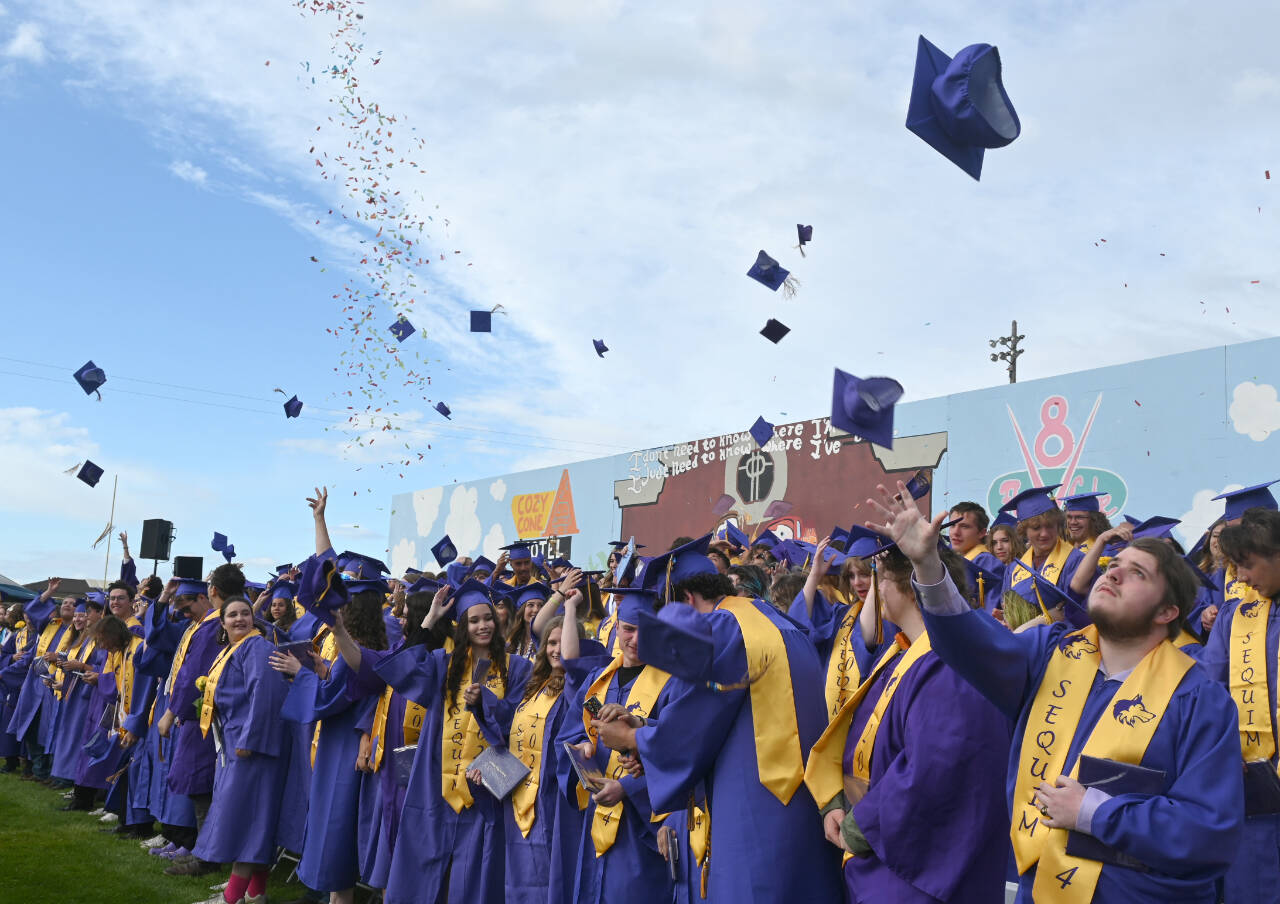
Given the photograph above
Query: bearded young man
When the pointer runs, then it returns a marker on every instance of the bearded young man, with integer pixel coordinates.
(1106, 698)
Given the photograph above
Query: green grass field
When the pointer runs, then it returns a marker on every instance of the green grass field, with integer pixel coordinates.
(51, 857)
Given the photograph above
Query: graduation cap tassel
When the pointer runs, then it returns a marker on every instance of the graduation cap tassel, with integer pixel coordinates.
(790, 286)
(875, 592)
(1040, 600)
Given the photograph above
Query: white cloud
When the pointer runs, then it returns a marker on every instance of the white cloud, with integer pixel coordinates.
(1254, 85)
(463, 525)
(1203, 512)
(189, 172)
(426, 508)
(494, 541)
(1255, 410)
(26, 44)
(404, 555)
(498, 490)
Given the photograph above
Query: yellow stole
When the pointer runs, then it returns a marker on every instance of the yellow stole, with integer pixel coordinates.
(773, 710)
(1051, 568)
(460, 738)
(1235, 589)
(379, 732)
(121, 665)
(640, 700)
(184, 644)
(211, 681)
(1122, 733)
(700, 840)
(867, 740)
(1247, 678)
(525, 742)
(46, 636)
(414, 714)
(843, 676)
(20, 638)
(976, 551)
(87, 645)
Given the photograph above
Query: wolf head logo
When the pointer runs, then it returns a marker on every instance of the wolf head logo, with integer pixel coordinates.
(1076, 645)
(1132, 712)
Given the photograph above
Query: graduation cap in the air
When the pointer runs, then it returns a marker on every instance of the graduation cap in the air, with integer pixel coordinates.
(774, 330)
(772, 275)
(293, 407)
(1083, 502)
(402, 329)
(600, 347)
(620, 545)
(89, 473)
(219, 542)
(1240, 501)
(444, 551)
(481, 321)
(443, 409)
(864, 407)
(806, 235)
(761, 431)
(918, 485)
(1032, 502)
(90, 377)
(736, 536)
(959, 106)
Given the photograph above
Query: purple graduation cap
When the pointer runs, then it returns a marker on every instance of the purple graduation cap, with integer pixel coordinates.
(90, 473)
(918, 485)
(959, 106)
(772, 275)
(443, 409)
(481, 321)
(1157, 527)
(1032, 502)
(1082, 502)
(806, 235)
(91, 377)
(228, 552)
(402, 329)
(219, 542)
(774, 330)
(761, 431)
(1240, 501)
(864, 406)
(601, 348)
(444, 551)
(292, 408)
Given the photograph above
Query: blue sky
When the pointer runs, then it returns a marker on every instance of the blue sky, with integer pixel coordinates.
(608, 170)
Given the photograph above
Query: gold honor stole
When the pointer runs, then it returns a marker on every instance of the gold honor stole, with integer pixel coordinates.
(1122, 733)
(976, 551)
(121, 665)
(379, 731)
(183, 645)
(779, 759)
(82, 654)
(525, 742)
(640, 700)
(211, 681)
(1235, 589)
(46, 636)
(1247, 677)
(414, 715)
(461, 741)
(1050, 570)
(843, 676)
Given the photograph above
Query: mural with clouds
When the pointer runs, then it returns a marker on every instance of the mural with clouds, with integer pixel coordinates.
(1158, 437)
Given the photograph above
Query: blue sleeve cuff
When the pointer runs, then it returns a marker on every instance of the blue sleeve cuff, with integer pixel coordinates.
(1093, 798)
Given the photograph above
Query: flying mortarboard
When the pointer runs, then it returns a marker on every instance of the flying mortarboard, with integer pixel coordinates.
(444, 551)
(805, 234)
(402, 329)
(770, 274)
(481, 321)
(623, 544)
(736, 536)
(959, 106)
(1240, 501)
(292, 408)
(918, 485)
(774, 330)
(600, 347)
(90, 473)
(91, 377)
(864, 407)
(443, 409)
(1032, 502)
(761, 431)
(1083, 502)
(219, 542)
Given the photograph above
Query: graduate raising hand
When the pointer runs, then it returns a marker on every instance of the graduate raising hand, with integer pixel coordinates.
(916, 535)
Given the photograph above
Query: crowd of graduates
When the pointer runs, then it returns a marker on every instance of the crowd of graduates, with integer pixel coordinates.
(913, 709)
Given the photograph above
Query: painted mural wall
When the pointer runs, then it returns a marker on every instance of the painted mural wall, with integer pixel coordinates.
(1159, 437)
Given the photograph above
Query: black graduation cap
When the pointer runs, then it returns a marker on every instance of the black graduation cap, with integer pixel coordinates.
(90, 473)
(481, 321)
(443, 409)
(601, 348)
(90, 377)
(806, 235)
(774, 330)
(292, 408)
(402, 329)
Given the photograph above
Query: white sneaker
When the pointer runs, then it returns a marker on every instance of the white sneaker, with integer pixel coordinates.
(259, 899)
(98, 812)
(219, 887)
(153, 842)
(217, 899)
(108, 818)
(68, 795)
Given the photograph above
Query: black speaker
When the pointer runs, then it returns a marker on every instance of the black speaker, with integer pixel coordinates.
(157, 534)
(190, 568)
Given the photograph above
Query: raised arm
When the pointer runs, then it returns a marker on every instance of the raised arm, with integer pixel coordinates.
(817, 571)
(318, 503)
(569, 646)
(554, 601)
(1087, 570)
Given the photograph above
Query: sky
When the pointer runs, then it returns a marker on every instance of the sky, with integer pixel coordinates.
(602, 170)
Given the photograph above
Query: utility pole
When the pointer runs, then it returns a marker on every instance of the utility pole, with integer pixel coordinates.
(1011, 351)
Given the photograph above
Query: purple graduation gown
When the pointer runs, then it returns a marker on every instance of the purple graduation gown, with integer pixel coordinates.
(708, 737)
(241, 826)
(1187, 836)
(1077, 616)
(631, 870)
(329, 854)
(435, 845)
(933, 788)
(1254, 874)
(381, 797)
(191, 771)
(35, 697)
(13, 672)
(137, 807)
(292, 827)
(149, 769)
(72, 721)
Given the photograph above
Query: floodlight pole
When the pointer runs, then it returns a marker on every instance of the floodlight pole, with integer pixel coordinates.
(1011, 351)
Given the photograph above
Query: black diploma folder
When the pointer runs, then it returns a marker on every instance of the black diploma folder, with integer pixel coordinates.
(500, 770)
(1114, 778)
(1261, 788)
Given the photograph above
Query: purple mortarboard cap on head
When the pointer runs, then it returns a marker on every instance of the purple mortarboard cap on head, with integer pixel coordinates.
(402, 329)
(840, 535)
(722, 506)
(424, 585)
(1157, 526)
(761, 431)
(600, 347)
(82, 607)
(481, 321)
(482, 564)
(791, 552)
(1240, 501)
(292, 408)
(191, 588)
(1132, 521)
(90, 377)
(864, 407)
(768, 272)
(959, 106)
(444, 551)
(535, 590)
(90, 473)
(366, 568)
(96, 598)
(219, 542)
(777, 509)
(676, 640)
(443, 409)
(1083, 502)
(455, 573)
(634, 602)
(1004, 517)
(736, 536)
(518, 551)
(285, 590)
(1032, 502)
(864, 542)
(471, 593)
(767, 539)
(665, 571)
(774, 330)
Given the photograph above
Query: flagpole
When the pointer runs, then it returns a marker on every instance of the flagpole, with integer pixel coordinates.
(111, 523)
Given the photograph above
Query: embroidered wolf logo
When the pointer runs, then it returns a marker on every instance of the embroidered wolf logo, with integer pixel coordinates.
(1249, 609)
(1132, 712)
(1076, 645)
